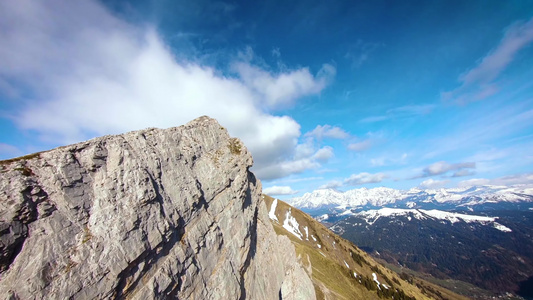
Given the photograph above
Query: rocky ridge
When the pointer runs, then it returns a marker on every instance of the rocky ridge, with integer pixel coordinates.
(171, 213)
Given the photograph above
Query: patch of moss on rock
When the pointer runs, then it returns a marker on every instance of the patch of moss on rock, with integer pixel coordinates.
(235, 146)
(25, 157)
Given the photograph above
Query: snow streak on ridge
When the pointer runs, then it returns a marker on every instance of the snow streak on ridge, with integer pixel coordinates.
(372, 216)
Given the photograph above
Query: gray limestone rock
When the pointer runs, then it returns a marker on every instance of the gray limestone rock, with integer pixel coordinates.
(151, 214)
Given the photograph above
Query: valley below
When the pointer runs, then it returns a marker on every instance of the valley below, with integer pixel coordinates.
(476, 242)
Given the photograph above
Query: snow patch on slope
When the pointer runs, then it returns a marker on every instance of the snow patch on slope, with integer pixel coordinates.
(347, 213)
(272, 212)
(456, 217)
(375, 277)
(291, 225)
(323, 217)
(371, 216)
(501, 227)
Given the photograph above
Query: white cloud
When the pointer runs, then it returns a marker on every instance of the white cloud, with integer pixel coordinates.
(305, 158)
(279, 190)
(331, 185)
(360, 146)
(301, 157)
(526, 178)
(323, 154)
(304, 150)
(443, 167)
(281, 90)
(433, 184)
(327, 131)
(477, 83)
(463, 172)
(363, 178)
(90, 74)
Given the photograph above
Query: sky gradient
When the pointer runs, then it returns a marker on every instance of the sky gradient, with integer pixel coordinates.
(339, 94)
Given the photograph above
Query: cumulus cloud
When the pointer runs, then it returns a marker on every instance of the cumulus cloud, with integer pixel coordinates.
(442, 167)
(323, 154)
(301, 157)
(304, 159)
(280, 90)
(478, 83)
(331, 185)
(360, 146)
(517, 179)
(279, 190)
(89, 73)
(327, 131)
(433, 184)
(364, 178)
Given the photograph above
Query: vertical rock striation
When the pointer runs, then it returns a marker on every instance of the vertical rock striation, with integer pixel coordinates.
(172, 213)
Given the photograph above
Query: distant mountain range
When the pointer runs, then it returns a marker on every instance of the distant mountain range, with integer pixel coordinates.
(372, 216)
(477, 198)
(481, 235)
(493, 252)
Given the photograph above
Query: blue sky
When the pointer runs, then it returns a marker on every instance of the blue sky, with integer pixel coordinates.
(340, 94)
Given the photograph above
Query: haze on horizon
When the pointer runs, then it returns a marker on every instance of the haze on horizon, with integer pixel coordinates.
(337, 94)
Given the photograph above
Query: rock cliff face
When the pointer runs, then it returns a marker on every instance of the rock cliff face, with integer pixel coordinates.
(172, 213)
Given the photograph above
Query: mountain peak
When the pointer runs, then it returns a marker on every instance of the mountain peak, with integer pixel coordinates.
(149, 214)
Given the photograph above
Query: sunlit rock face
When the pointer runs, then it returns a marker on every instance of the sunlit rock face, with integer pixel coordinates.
(171, 213)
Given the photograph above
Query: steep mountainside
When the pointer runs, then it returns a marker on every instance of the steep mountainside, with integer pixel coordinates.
(340, 270)
(492, 252)
(143, 215)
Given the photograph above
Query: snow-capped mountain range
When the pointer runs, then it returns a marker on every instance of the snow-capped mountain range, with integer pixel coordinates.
(446, 232)
(460, 198)
(491, 249)
(371, 216)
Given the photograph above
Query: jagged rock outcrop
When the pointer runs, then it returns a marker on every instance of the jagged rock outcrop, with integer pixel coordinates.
(172, 213)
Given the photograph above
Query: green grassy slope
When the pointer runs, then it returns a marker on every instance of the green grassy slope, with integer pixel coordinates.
(339, 269)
